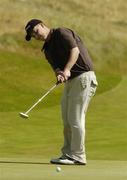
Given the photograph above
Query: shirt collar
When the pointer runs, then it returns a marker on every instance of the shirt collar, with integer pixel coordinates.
(48, 39)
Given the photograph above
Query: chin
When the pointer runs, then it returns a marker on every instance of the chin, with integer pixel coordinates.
(42, 39)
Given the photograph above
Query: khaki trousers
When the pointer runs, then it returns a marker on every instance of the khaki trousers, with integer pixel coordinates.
(76, 97)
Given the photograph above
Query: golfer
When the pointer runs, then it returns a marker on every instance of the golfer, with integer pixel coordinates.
(69, 59)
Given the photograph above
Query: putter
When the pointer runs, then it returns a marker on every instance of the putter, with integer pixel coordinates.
(25, 114)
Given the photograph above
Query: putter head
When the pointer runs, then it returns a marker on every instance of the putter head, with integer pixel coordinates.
(23, 115)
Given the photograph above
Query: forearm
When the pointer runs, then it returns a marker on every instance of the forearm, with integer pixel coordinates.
(65, 74)
(72, 59)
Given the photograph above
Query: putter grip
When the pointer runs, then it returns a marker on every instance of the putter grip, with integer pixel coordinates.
(57, 82)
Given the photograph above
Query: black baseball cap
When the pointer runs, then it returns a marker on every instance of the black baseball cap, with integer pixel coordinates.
(29, 27)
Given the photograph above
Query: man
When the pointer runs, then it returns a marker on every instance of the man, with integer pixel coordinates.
(72, 65)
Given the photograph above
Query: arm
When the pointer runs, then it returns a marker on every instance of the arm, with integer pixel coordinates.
(74, 53)
(69, 42)
(65, 74)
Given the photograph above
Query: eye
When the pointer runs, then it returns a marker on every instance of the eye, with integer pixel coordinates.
(36, 31)
(33, 34)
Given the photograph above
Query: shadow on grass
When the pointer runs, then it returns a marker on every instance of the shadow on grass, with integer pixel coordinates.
(24, 162)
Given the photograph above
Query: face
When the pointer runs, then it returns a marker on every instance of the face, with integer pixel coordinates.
(39, 32)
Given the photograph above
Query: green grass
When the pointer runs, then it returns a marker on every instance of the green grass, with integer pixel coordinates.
(25, 76)
(30, 137)
(41, 170)
(109, 120)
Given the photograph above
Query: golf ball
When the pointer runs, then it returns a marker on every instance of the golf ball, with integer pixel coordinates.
(58, 169)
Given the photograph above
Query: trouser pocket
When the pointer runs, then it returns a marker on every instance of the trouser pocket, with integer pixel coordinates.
(93, 86)
(83, 81)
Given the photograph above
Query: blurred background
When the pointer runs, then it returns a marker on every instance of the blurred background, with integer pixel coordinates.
(25, 75)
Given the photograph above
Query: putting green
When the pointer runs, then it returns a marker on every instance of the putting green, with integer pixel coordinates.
(25, 76)
(42, 170)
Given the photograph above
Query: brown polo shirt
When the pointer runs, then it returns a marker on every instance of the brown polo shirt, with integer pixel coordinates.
(57, 51)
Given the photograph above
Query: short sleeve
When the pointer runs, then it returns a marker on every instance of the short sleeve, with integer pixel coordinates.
(67, 38)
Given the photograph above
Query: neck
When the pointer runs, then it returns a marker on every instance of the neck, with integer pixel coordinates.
(48, 34)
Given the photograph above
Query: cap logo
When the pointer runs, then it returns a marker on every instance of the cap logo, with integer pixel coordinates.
(27, 27)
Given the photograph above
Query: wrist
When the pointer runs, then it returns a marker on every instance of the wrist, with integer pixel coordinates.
(66, 73)
(57, 70)
(66, 69)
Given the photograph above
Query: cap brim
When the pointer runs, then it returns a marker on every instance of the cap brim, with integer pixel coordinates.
(28, 37)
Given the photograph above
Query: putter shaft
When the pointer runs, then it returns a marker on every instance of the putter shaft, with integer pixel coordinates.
(40, 99)
(25, 114)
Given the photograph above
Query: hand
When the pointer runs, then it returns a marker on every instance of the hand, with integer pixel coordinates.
(57, 71)
(66, 74)
(60, 78)
(59, 75)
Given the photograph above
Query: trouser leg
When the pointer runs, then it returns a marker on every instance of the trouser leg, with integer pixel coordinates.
(78, 94)
(66, 129)
(76, 118)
